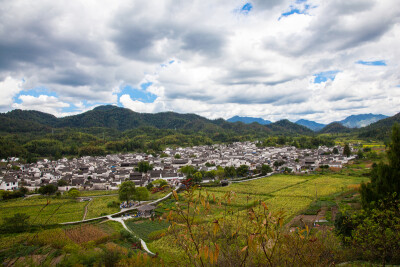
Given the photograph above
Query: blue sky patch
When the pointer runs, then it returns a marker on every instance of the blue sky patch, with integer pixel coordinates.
(372, 63)
(300, 7)
(246, 8)
(324, 76)
(36, 92)
(139, 94)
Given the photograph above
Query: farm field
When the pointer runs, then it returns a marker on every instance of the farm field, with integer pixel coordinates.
(88, 193)
(57, 211)
(100, 206)
(288, 193)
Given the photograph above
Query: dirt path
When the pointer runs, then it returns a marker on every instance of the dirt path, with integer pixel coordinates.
(86, 209)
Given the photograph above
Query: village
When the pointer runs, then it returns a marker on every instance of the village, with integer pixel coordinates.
(108, 172)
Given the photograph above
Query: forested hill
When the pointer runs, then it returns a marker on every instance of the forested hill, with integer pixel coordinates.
(380, 129)
(123, 119)
(335, 127)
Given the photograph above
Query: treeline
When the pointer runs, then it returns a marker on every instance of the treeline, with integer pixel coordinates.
(100, 141)
(298, 142)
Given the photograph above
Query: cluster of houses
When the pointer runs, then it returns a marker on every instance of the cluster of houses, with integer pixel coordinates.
(108, 172)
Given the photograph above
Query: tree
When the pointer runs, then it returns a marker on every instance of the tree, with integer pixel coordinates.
(62, 183)
(144, 166)
(335, 150)
(160, 183)
(126, 191)
(346, 150)
(230, 171)
(197, 177)
(141, 194)
(177, 156)
(373, 234)
(188, 170)
(220, 172)
(74, 193)
(385, 178)
(265, 169)
(360, 154)
(48, 190)
(211, 174)
(149, 186)
(242, 170)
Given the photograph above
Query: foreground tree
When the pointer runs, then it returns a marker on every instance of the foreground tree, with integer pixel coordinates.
(251, 237)
(385, 178)
(141, 194)
(126, 191)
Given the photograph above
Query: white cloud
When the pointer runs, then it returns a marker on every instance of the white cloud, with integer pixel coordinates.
(225, 63)
(9, 88)
(44, 103)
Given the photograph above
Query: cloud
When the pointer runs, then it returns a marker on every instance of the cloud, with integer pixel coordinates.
(214, 58)
(44, 103)
(8, 89)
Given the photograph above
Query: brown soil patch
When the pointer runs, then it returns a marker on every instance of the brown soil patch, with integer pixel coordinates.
(85, 233)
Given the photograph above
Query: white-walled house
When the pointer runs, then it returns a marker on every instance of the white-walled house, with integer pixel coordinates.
(8, 183)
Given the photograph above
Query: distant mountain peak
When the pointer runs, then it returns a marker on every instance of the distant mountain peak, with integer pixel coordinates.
(315, 126)
(361, 120)
(248, 120)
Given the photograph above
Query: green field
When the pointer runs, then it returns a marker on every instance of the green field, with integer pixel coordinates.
(99, 206)
(58, 210)
(291, 194)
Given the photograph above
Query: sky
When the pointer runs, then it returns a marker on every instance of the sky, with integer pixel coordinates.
(274, 59)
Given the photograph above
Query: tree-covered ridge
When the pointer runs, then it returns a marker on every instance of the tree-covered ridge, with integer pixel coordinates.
(123, 119)
(335, 127)
(380, 129)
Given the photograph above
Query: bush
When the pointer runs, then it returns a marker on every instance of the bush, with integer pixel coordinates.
(156, 234)
(125, 234)
(17, 223)
(113, 204)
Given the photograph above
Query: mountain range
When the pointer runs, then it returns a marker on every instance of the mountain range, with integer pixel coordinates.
(248, 120)
(353, 121)
(123, 119)
(119, 119)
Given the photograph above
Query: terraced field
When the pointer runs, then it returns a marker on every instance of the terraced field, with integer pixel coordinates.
(57, 211)
(288, 193)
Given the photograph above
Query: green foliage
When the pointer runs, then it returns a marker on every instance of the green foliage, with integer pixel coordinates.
(141, 194)
(144, 166)
(126, 191)
(74, 193)
(188, 170)
(177, 156)
(62, 183)
(17, 223)
(160, 183)
(197, 177)
(254, 236)
(5, 195)
(230, 171)
(48, 190)
(149, 186)
(373, 234)
(385, 178)
(265, 169)
(242, 170)
(346, 150)
(113, 204)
